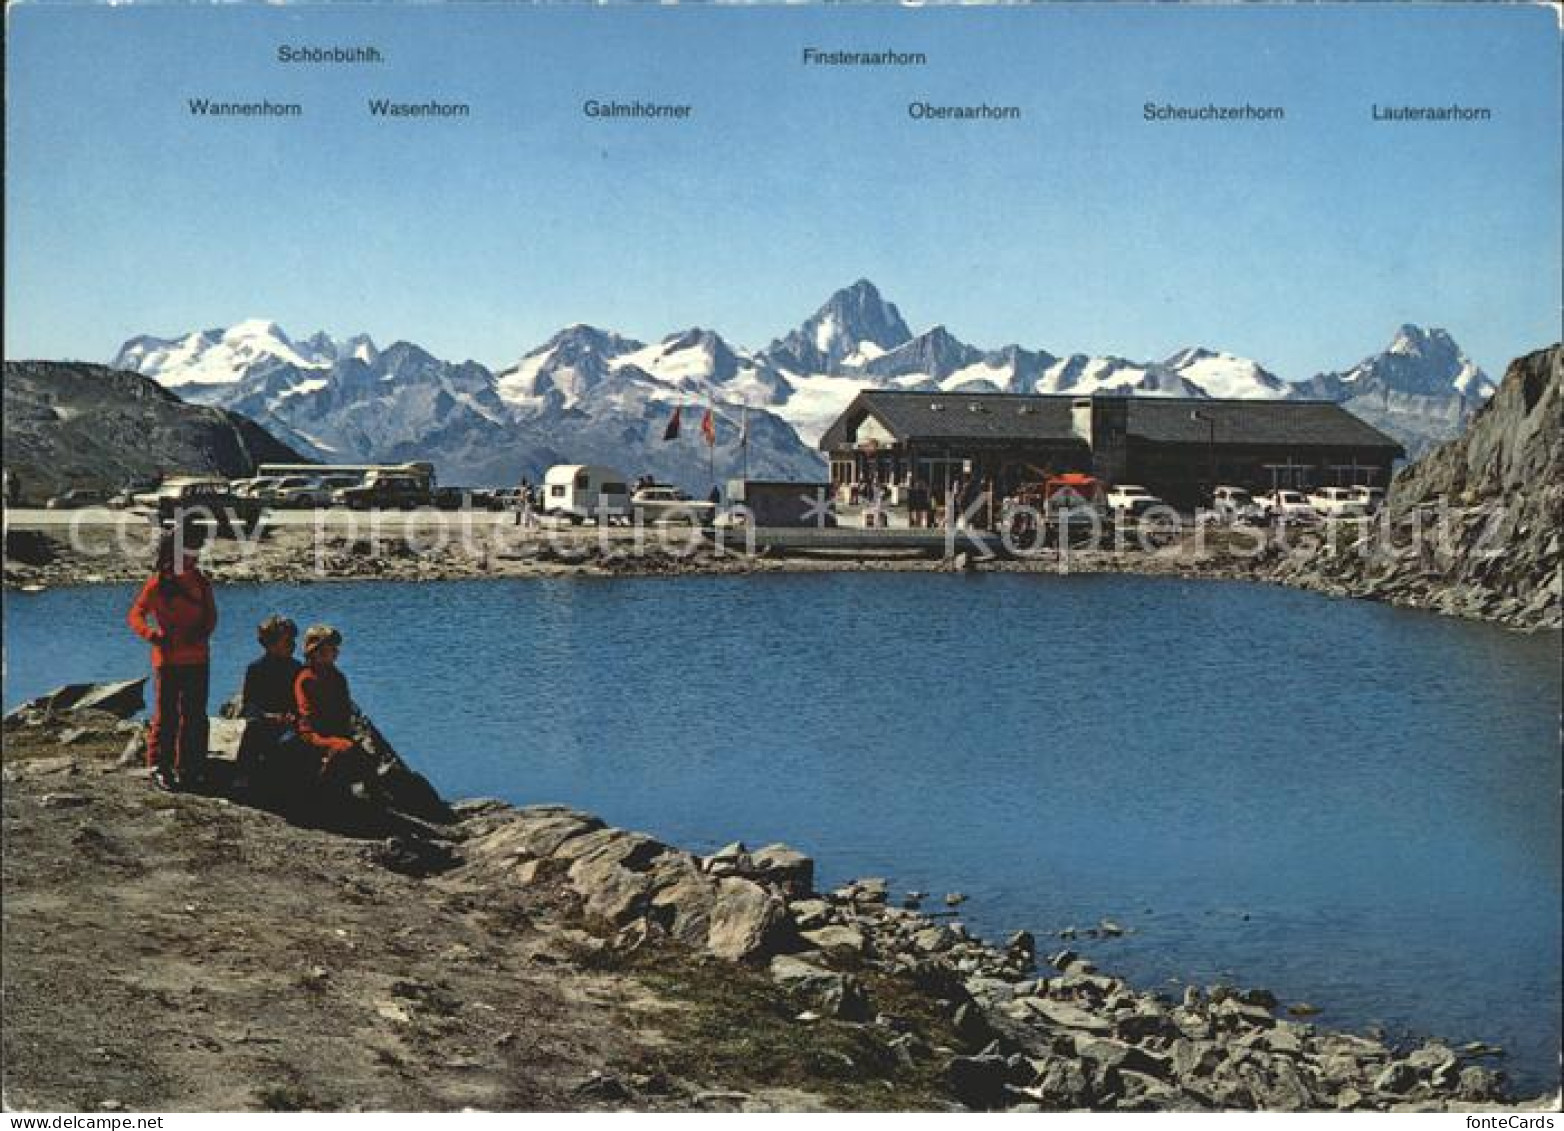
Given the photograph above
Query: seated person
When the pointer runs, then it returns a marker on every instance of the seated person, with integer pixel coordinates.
(325, 717)
(267, 700)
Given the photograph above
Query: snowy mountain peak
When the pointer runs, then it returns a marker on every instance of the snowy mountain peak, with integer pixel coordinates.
(207, 358)
(1418, 362)
(1220, 374)
(851, 319)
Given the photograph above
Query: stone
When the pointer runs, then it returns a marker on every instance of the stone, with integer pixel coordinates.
(1061, 1082)
(1193, 1058)
(613, 878)
(1108, 929)
(1303, 1009)
(1023, 945)
(63, 801)
(1144, 1025)
(1348, 1099)
(1397, 1078)
(1478, 1084)
(797, 975)
(787, 868)
(682, 898)
(933, 940)
(1062, 1015)
(747, 922)
(121, 698)
(537, 832)
(810, 913)
(979, 1082)
(1110, 1053)
(1265, 999)
(955, 899)
(1061, 960)
(872, 889)
(836, 940)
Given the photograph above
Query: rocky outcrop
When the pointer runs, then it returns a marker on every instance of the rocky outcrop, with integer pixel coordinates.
(1064, 1038)
(1474, 527)
(73, 425)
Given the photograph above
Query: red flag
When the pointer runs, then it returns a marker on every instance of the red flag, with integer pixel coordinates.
(709, 428)
(672, 431)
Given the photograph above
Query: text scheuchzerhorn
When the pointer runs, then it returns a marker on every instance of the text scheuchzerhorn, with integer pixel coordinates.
(1451, 113)
(386, 108)
(290, 53)
(265, 108)
(1211, 112)
(814, 57)
(637, 110)
(981, 112)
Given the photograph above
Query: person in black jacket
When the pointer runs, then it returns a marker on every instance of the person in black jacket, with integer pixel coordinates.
(266, 702)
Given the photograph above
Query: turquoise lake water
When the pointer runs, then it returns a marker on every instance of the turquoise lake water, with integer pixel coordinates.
(1348, 804)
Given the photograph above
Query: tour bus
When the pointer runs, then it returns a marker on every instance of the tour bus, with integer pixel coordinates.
(582, 491)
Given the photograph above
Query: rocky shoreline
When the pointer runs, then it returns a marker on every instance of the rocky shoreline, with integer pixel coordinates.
(1383, 568)
(722, 980)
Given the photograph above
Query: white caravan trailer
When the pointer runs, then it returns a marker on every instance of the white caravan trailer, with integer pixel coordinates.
(581, 491)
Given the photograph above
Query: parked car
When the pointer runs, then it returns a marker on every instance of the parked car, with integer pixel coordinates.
(662, 502)
(461, 498)
(297, 491)
(386, 491)
(76, 498)
(1286, 505)
(205, 496)
(1131, 500)
(1372, 498)
(1337, 502)
(1236, 504)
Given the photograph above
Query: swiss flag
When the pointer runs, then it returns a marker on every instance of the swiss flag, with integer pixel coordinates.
(672, 431)
(709, 428)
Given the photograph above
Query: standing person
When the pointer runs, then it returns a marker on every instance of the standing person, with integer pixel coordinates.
(176, 613)
(325, 716)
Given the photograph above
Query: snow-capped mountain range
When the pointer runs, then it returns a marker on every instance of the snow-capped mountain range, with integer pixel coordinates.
(591, 395)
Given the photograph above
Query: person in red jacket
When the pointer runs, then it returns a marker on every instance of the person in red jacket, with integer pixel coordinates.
(325, 714)
(176, 613)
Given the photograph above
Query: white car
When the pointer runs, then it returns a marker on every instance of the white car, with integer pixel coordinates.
(1236, 504)
(298, 491)
(1288, 506)
(1132, 500)
(1372, 498)
(661, 502)
(1337, 502)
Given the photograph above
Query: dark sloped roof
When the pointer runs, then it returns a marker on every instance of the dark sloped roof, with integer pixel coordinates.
(1306, 423)
(964, 416)
(1168, 420)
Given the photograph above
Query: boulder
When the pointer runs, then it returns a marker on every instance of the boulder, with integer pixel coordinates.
(784, 867)
(682, 898)
(748, 923)
(810, 913)
(795, 974)
(1397, 1078)
(614, 878)
(406, 790)
(120, 698)
(1061, 1082)
(836, 940)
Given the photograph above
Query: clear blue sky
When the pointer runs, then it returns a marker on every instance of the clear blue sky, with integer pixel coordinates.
(1081, 227)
